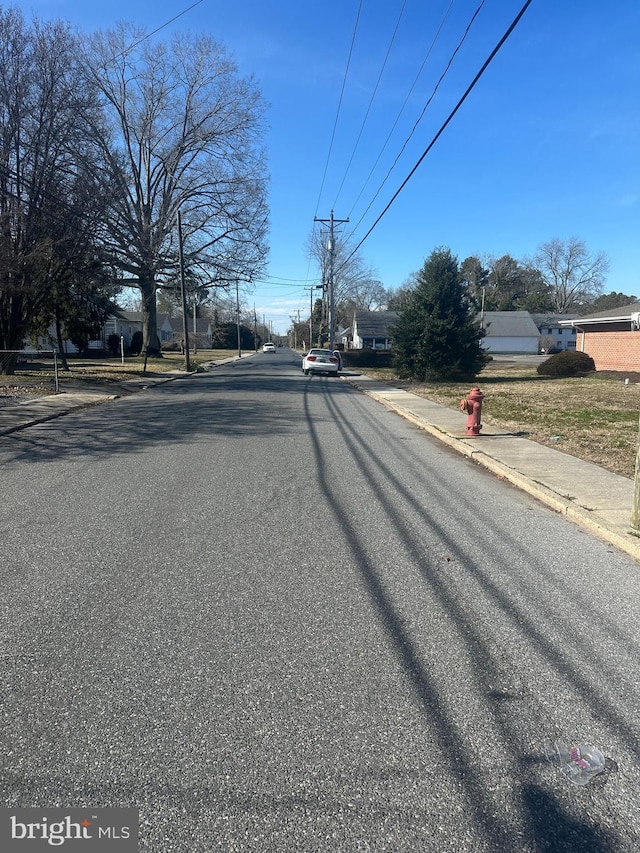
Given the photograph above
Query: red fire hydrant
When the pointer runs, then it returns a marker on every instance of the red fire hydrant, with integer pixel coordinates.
(472, 405)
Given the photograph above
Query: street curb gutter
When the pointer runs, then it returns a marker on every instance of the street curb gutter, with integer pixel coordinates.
(577, 514)
(34, 421)
(150, 383)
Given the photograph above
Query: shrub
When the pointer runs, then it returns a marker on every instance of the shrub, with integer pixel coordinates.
(567, 363)
(113, 344)
(136, 343)
(366, 358)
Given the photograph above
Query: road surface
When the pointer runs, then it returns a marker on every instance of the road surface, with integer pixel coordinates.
(274, 616)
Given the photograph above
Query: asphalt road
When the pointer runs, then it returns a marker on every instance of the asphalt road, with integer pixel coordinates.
(274, 616)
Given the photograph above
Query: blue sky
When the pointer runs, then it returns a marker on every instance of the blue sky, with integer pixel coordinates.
(546, 145)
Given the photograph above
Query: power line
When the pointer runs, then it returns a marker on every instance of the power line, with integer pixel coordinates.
(158, 29)
(335, 124)
(371, 100)
(404, 103)
(449, 118)
(283, 282)
(421, 116)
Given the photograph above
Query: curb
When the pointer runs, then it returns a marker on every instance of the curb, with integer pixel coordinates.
(135, 385)
(581, 516)
(34, 421)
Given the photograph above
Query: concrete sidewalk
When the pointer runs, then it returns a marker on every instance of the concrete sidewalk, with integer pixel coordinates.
(586, 494)
(17, 416)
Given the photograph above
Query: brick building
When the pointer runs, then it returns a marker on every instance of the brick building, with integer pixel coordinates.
(611, 337)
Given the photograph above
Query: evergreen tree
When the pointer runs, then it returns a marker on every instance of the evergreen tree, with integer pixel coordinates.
(436, 336)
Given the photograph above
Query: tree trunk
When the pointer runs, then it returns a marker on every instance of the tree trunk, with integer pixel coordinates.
(8, 364)
(61, 350)
(13, 331)
(150, 340)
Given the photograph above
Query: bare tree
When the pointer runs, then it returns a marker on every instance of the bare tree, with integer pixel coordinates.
(355, 283)
(572, 274)
(48, 197)
(184, 134)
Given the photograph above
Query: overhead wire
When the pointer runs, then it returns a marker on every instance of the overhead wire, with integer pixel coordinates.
(445, 124)
(282, 282)
(422, 114)
(335, 123)
(371, 100)
(402, 108)
(158, 29)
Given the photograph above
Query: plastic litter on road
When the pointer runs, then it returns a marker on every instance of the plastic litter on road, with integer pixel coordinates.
(578, 763)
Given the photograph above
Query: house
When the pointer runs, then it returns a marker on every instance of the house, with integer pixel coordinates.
(345, 337)
(553, 334)
(509, 332)
(200, 331)
(126, 323)
(611, 337)
(123, 324)
(372, 329)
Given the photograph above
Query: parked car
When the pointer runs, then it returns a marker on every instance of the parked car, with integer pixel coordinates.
(320, 361)
(269, 347)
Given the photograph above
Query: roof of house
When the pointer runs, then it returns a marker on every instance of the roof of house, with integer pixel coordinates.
(551, 321)
(509, 324)
(611, 315)
(202, 324)
(131, 316)
(136, 317)
(374, 324)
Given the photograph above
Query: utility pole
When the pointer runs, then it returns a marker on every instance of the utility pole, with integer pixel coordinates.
(238, 320)
(255, 328)
(332, 222)
(195, 328)
(311, 288)
(185, 319)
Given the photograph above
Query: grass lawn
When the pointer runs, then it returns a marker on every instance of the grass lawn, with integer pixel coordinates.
(593, 417)
(38, 374)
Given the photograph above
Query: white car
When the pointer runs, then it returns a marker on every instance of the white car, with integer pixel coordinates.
(320, 361)
(269, 347)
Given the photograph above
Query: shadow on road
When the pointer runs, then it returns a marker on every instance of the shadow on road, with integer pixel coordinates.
(207, 405)
(571, 656)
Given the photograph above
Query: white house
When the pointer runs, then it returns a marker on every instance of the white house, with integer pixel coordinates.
(554, 332)
(372, 329)
(127, 323)
(509, 332)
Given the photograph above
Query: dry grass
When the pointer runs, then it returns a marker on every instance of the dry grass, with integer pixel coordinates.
(593, 417)
(112, 369)
(37, 376)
